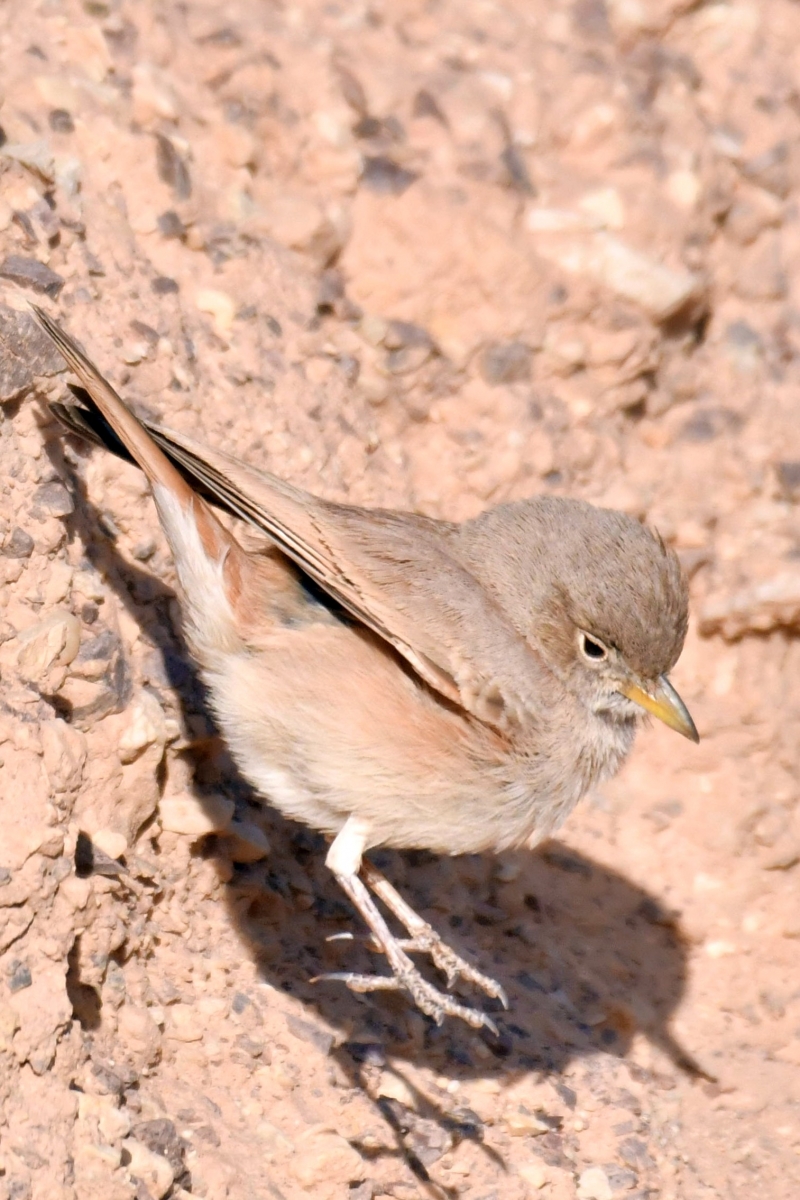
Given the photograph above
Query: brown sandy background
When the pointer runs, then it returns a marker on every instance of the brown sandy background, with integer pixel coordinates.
(433, 255)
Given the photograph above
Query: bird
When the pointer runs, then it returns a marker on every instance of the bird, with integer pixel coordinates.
(394, 680)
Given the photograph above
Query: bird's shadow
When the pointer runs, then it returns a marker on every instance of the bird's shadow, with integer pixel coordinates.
(587, 957)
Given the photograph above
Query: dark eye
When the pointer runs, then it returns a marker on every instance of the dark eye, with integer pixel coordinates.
(592, 650)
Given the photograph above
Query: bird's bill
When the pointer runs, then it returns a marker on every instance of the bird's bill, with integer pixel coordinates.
(665, 703)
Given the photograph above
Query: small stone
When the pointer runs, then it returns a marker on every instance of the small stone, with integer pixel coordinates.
(55, 641)
(146, 727)
(30, 273)
(386, 177)
(660, 290)
(185, 1023)
(19, 977)
(111, 843)
(220, 306)
(594, 1185)
(19, 545)
(407, 359)
(299, 223)
(322, 1156)
(25, 353)
(524, 1123)
(535, 1174)
(36, 156)
(162, 285)
(634, 1154)
(750, 214)
(196, 817)
(53, 499)
(604, 207)
(775, 169)
(172, 168)
(152, 96)
(246, 842)
(506, 362)
(394, 1087)
(60, 121)
(788, 479)
(170, 225)
(152, 1169)
(161, 1136)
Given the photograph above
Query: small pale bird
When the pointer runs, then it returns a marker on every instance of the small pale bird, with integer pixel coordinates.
(393, 680)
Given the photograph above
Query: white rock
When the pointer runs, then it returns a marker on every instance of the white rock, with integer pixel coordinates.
(594, 1185)
(322, 1156)
(153, 98)
(220, 306)
(147, 726)
(185, 1023)
(153, 1170)
(195, 817)
(110, 842)
(535, 1174)
(661, 291)
(53, 641)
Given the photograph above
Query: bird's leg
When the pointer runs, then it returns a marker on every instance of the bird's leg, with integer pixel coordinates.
(344, 859)
(424, 938)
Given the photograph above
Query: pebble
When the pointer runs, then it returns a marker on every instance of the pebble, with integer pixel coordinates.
(750, 214)
(184, 1023)
(594, 1184)
(604, 207)
(660, 290)
(110, 842)
(19, 545)
(775, 170)
(146, 727)
(523, 1123)
(53, 641)
(194, 816)
(153, 1169)
(220, 307)
(30, 273)
(535, 1174)
(53, 499)
(246, 842)
(506, 362)
(152, 97)
(322, 1156)
(300, 224)
(385, 176)
(394, 1087)
(36, 156)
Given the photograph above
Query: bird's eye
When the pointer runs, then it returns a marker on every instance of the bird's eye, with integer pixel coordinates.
(592, 650)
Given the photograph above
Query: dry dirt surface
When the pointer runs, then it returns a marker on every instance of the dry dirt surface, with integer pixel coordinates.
(429, 255)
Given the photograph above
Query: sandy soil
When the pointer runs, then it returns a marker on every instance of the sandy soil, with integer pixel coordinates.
(434, 256)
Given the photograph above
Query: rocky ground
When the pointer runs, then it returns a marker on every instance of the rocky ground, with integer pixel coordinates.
(431, 255)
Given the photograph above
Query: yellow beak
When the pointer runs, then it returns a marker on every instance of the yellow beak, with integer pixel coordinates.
(665, 703)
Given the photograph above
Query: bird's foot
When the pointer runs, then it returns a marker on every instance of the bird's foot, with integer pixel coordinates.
(426, 997)
(428, 941)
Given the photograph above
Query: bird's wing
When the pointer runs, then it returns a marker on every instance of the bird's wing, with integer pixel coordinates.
(396, 573)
